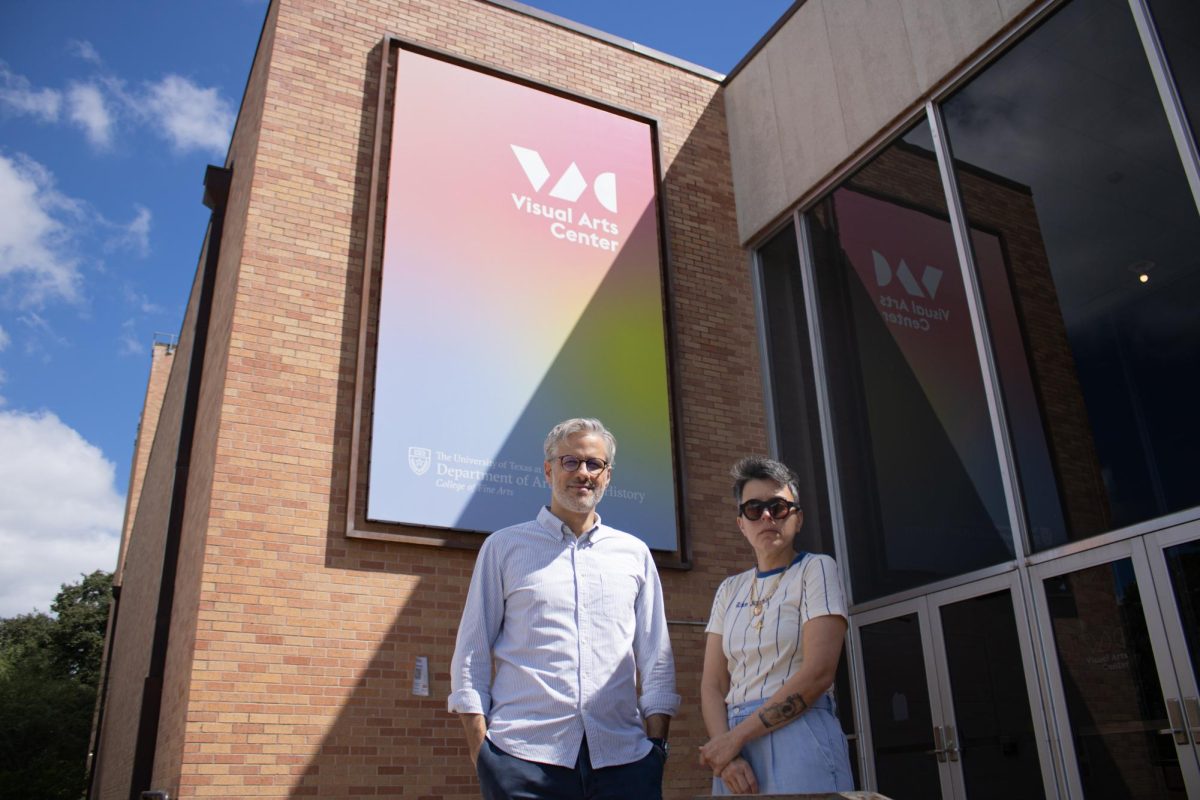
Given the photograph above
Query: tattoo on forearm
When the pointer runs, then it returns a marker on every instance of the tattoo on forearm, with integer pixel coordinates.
(789, 709)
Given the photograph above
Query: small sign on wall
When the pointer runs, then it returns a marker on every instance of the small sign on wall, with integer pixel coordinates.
(421, 677)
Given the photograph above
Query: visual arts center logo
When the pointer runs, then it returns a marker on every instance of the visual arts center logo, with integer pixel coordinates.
(586, 230)
(917, 311)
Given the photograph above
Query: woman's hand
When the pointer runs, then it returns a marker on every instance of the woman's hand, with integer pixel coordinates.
(739, 778)
(720, 750)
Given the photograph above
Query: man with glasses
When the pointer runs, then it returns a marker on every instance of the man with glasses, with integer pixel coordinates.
(563, 620)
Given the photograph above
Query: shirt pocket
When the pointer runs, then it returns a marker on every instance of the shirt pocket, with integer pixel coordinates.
(620, 591)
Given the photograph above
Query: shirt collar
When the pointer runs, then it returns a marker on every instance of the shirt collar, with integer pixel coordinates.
(799, 557)
(557, 528)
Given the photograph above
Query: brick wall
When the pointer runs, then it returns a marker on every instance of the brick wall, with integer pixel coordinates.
(142, 558)
(156, 387)
(182, 724)
(292, 650)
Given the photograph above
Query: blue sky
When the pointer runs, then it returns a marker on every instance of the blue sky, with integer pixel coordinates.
(109, 113)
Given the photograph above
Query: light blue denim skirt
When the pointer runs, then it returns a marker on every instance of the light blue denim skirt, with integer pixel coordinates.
(809, 754)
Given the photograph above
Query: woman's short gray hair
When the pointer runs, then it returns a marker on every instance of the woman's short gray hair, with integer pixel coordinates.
(570, 427)
(758, 468)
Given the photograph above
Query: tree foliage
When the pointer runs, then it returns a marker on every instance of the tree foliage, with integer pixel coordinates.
(49, 671)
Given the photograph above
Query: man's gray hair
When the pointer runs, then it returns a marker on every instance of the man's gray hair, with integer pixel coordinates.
(570, 427)
(758, 468)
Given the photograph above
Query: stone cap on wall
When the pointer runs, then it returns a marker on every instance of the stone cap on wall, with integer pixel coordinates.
(818, 796)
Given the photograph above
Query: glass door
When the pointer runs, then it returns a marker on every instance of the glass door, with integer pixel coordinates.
(997, 725)
(948, 710)
(1122, 625)
(902, 709)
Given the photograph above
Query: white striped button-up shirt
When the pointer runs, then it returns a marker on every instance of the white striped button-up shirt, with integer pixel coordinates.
(760, 660)
(571, 625)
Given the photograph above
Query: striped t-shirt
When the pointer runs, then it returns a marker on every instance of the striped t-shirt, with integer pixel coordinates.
(761, 660)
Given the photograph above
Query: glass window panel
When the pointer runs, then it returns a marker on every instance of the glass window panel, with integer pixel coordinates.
(1113, 696)
(919, 476)
(1177, 22)
(1183, 565)
(1086, 239)
(797, 425)
(991, 699)
(898, 704)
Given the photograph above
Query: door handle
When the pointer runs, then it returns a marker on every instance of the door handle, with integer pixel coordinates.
(1191, 708)
(939, 747)
(1178, 727)
(951, 743)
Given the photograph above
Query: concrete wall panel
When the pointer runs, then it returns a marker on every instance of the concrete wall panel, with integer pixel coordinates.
(808, 107)
(836, 74)
(873, 64)
(1011, 9)
(755, 146)
(943, 34)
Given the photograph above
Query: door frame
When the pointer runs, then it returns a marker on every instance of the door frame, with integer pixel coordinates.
(1172, 682)
(927, 608)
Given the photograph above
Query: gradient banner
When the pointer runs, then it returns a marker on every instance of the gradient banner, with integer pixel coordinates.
(522, 285)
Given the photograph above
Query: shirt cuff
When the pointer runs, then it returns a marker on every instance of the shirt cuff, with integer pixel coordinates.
(659, 703)
(466, 701)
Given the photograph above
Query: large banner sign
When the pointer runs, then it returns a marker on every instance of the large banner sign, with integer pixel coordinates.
(522, 285)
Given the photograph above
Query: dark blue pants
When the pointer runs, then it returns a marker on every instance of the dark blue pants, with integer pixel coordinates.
(506, 777)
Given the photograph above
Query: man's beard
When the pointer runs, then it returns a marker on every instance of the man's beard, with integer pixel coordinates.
(577, 504)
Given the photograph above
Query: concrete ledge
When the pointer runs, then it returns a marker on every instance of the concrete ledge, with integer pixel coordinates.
(819, 796)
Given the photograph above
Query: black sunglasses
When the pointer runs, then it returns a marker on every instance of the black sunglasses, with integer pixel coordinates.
(592, 465)
(779, 509)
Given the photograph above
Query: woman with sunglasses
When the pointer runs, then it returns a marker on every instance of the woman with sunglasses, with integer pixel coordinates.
(774, 639)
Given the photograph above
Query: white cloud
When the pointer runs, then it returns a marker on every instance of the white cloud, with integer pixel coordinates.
(5, 341)
(40, 337)
(135, 235)
(131, 345)
(19, 97)
(192, 118)
(141, 301)
(34, 252)
(82, 48)
(89, 110)
(187, 115)
(60, 513)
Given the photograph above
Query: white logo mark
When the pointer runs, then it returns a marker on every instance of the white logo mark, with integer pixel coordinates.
(572, 183)
(931, 278)
(419, 459)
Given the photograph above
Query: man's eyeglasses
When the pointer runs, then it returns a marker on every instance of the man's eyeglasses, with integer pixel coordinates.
(779, 509)
(592, 465)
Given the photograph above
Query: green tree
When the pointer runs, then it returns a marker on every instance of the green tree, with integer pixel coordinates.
(77, 640)
(49, 670)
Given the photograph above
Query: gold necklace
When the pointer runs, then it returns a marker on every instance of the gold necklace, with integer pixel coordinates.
(756, 605)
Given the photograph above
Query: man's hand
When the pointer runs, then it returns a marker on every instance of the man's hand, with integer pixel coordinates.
(475, 726)
(739, 778)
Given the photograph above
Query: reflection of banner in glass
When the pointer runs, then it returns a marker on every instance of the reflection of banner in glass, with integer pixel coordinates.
(905, 260)
(521, 286)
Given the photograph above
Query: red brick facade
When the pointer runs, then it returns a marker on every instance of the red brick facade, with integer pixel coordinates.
(292, 646)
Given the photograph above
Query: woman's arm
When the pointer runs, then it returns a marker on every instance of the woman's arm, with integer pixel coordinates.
(822, 639)
(714, 685)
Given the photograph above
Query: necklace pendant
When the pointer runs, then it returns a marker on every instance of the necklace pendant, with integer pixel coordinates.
(758, 625)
